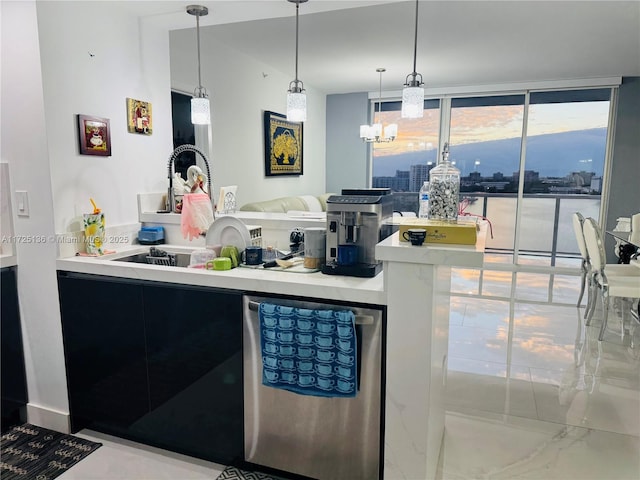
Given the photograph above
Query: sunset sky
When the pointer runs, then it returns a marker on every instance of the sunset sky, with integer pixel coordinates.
(479, 124)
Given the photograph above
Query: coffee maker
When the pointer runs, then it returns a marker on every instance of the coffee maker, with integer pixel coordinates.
(354, 226)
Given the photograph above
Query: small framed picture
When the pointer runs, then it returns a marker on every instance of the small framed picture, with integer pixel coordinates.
(282, 145)
(139, 119)
(94, 135)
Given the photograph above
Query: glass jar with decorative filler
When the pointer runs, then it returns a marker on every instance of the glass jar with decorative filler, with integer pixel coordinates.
(444, 190)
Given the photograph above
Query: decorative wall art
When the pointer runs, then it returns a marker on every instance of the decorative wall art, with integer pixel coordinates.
(282, 145)
(139, 118)
(94, 136)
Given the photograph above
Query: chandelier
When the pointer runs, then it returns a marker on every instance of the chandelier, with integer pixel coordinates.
(375, 133)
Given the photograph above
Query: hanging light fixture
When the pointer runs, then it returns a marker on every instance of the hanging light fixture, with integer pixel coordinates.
(374, 133)
(413, 92)
(200, 110)
(296, 96)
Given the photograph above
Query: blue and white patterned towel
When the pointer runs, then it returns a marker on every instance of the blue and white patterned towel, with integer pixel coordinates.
(310, 352)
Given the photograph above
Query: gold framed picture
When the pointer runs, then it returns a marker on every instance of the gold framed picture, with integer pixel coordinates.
(139, 118)
(282, 145)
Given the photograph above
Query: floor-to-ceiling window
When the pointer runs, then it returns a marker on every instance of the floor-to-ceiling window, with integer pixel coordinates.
(485, 137)
(564, 167)
(404, 164)
(527, 160)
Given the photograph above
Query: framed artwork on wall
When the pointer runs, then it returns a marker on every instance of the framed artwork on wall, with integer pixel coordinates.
(282, 145)
(139, 118)
(94, 135)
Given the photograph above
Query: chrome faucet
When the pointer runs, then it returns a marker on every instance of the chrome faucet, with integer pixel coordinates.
(171, 198)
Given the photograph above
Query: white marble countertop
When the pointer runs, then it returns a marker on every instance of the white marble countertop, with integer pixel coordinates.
(312, 285)
(8, 260)
(453, 255)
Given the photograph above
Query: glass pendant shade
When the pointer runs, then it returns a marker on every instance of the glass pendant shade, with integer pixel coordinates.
(296, 96)
(200, 109)
(412, 102)
(413, 92)
(377, 133)
(297, 107)
(391, 130)
(200, 112)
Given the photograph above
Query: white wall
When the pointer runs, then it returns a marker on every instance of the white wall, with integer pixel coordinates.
(347, 155)
(130, 59)
(239, 93)
(24, 147)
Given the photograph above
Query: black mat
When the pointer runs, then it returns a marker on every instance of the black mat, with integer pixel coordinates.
(233, 473)
(36, 453)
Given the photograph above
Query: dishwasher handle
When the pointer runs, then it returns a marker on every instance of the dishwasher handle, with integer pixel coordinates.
(360, 319)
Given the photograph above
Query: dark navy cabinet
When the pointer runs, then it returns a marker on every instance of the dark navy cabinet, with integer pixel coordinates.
(14, 382)
(176, 351)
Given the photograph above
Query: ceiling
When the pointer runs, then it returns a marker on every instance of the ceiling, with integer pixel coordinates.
(460, 43)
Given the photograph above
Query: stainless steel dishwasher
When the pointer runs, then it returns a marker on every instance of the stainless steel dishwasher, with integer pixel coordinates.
(325, 438)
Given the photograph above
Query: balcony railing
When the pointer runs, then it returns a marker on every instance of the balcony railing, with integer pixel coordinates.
(546, 228)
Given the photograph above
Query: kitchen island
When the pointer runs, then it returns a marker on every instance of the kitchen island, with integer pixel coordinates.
(417, 283)
(154, 353)
(312, 285)
(414, 287)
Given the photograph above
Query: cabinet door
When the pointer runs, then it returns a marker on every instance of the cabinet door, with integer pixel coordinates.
(103, 332)
(14, 382)
(194, 354)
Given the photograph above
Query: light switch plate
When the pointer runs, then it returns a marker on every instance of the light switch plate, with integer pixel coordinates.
(22, 203)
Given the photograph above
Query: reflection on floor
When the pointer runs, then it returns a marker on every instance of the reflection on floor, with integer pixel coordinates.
(532, 394)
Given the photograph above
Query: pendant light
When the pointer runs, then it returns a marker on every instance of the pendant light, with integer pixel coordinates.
(296, 96)
(413, 92)
(200, 109)
(374, 133)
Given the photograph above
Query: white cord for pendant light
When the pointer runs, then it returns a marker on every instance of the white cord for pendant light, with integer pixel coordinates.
(413, 92)
(296, 96)
(200, 108)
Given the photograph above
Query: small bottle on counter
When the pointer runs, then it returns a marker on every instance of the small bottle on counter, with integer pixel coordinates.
(423, 207)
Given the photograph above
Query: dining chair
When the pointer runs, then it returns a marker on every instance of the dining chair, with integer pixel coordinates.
(585, 267)
(586, 272)
(634, 236)
(625, 282)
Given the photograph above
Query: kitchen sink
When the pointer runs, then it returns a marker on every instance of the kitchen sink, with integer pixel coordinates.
(171, 260)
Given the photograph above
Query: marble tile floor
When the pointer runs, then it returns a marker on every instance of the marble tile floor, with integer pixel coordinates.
(531, 393)
(119, 459)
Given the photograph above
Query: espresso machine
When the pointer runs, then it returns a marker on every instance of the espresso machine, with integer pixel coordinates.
(354, 226)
